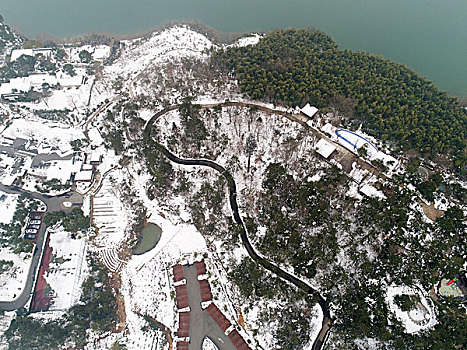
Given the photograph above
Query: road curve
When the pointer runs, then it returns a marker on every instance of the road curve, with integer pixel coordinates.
(326, 324)
(53, 204)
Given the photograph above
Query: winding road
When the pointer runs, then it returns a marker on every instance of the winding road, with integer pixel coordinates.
(326, 324)
(54, 203)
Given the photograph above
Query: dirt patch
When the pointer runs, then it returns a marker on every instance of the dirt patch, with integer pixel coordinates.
(125, 253)
(431, 212)
(115, 283)
(241, 320)
(433, 294)
(159, 325)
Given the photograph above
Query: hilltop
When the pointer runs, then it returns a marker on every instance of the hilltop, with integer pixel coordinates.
(9, 40)
(166, 166)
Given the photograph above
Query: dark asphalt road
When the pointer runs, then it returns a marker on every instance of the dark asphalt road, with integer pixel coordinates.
(54, 203)
(326, 324)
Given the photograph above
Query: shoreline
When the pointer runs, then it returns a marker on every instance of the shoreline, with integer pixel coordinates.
(216, 35)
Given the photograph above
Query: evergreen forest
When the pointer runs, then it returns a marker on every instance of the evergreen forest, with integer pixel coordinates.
(297, 66)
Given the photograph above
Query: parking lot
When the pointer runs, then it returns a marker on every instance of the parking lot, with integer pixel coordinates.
(33, 225)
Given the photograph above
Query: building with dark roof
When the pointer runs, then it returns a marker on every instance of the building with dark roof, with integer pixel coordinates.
(200, 267)
(182, 345)
(181, 296)
(238, 341)
(218, 316)
(20, 143)
(206, 294)
(183, 324)
(178, 273)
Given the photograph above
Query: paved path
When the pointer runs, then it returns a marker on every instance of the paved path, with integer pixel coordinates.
(201, 323)
(96, 113)
(54, 203)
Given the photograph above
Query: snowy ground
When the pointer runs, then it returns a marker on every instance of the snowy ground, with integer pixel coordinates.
(146, 279)
(65, 273)
(109, 213)
(7, 207)
(98, 52)
(147, 282)
(46, 134)
(420, 318)
(12, 280)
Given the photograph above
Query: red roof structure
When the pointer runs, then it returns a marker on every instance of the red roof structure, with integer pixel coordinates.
(183, 324)
(182, 296)
(238, 341)
(200, 267)
(40, 301)
(182, 345)
(206, 294)
(218, 316)
(178, 273)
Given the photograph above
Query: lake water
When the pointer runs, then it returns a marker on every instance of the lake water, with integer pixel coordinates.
(428, 35)
(150, 236)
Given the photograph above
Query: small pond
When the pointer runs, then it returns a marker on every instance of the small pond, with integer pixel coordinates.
(148, 239)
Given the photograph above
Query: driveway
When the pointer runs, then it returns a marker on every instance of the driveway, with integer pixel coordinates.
(201, 323)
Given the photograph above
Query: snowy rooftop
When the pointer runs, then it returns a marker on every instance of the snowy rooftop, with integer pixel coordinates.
(308, 110)
(449, 291)
(15, 54)
(95, 157)
(371, 191)
(324, 148)
(85, 175)
(59, 169)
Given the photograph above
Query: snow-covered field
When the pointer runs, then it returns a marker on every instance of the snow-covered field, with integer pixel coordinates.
(7, 206)
(65, 273)
(12, 280)
(98, 52)
(146, 279)
(421, 317)
(45, 133)
(171, 42)
(109, 214)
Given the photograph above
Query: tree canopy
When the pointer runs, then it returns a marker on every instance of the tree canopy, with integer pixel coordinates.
(297, 66)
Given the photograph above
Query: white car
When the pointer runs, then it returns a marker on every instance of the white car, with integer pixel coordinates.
(42, 208)
(31, 230)
(35, 222)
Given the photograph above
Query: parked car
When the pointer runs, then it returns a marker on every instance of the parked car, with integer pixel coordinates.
(42, 208)
(36, 217)
(31, 230)
(35, 226)
(30, 236)
(35, 222)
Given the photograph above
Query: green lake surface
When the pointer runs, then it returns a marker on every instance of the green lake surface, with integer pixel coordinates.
(430, 36)
(149, 238)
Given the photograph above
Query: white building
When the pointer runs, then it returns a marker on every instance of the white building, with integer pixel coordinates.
(37, 81)
(84, 176)
(59, 169)
(15, 54)
(324, 148)
(308, 110)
